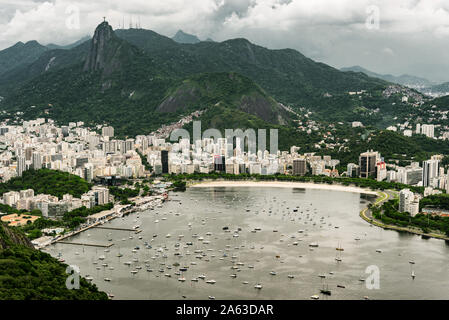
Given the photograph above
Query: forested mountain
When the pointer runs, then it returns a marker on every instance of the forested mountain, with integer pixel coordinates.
(20, 54)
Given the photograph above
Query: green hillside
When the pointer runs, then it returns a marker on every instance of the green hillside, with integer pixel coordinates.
(46, 181)
(29, 274)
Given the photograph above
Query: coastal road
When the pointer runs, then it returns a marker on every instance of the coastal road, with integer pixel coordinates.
(384, 196)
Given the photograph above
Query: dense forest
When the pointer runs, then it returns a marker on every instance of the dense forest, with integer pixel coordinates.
(29, 274)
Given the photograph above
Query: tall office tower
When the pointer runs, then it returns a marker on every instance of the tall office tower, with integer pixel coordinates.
(299, 167)
(367, 164)
(20, 165)
(164, 161)
(37, 161)
(107, 131)
(219, 163)
(431, 169)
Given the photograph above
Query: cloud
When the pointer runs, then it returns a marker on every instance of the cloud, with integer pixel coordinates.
(411, 37)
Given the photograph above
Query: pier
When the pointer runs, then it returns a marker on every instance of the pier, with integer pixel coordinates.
(88, 244)
(116, 229)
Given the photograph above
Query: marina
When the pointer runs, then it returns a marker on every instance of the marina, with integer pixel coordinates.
(192, 253)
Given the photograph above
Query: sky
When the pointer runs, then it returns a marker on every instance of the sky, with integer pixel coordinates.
(384, 36)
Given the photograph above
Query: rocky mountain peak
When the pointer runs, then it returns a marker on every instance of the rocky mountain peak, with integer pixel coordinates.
(103, 45)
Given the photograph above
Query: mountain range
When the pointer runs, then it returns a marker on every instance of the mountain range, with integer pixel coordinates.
(137, 80)
(421, 84)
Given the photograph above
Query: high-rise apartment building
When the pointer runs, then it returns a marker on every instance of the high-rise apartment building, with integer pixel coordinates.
(431, 169)
(37, 161)
(107, 132)
(21, 165)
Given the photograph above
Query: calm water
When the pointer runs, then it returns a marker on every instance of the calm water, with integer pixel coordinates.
(211, 209)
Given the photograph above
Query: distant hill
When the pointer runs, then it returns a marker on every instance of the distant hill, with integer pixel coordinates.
(438, 90)
(20, 54)
(405, 80)
(182, 37)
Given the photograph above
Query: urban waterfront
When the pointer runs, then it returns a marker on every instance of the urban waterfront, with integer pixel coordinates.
(267, 243)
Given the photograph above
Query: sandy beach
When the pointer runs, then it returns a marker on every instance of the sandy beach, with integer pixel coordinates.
(282, 184)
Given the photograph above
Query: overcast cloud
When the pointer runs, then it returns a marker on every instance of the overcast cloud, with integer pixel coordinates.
(412, 36)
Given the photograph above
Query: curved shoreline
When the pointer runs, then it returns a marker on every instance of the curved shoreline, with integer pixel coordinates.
(382, 196)
(280, 184)
(379, 224)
